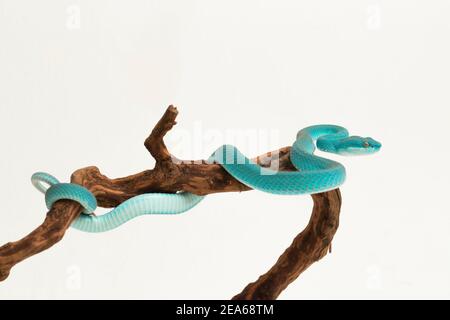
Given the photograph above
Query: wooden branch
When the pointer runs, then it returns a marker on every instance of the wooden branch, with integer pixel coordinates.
(154, 143)
(171, 175)
(311, 245)
(47, 234)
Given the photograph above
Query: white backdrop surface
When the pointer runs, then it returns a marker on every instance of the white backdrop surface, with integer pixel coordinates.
(83, 82)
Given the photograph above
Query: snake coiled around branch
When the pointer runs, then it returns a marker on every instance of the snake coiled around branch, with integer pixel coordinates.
(314, 175)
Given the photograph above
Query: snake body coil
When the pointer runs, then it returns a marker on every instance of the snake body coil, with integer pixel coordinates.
(315, 174)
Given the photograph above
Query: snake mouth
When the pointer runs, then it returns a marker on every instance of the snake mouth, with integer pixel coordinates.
(359, 151)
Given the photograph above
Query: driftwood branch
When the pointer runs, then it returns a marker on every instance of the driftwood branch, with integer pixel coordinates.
(171, 175)
(311, 245)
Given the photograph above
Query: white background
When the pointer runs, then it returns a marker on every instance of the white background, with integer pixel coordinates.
(83, 82)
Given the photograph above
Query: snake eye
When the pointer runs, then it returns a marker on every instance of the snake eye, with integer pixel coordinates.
(366, 144)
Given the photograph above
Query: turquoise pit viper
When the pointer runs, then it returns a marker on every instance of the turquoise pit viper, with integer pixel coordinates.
(314, 175)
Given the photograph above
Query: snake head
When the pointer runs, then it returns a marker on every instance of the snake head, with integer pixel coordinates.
(356, 145)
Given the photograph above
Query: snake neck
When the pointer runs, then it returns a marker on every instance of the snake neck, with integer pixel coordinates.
(325, 137)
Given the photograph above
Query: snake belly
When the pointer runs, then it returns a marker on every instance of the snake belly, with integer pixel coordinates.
(314, 174)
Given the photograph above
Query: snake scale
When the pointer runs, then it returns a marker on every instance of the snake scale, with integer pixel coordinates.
(314, 174)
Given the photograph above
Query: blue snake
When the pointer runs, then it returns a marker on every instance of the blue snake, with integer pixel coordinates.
(314, 175)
